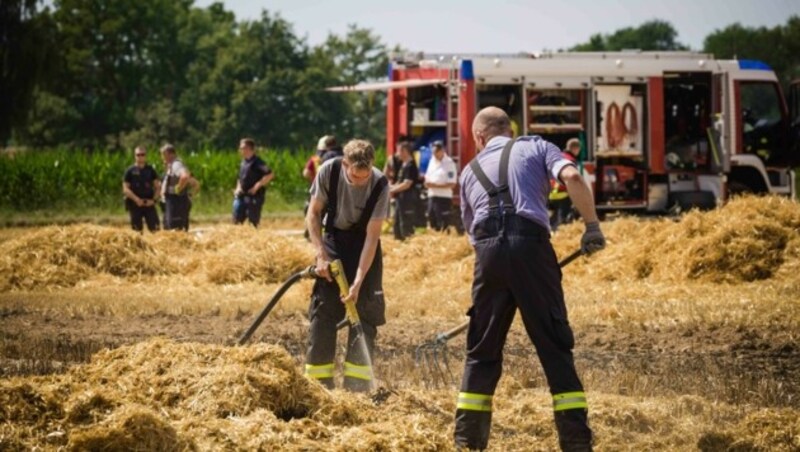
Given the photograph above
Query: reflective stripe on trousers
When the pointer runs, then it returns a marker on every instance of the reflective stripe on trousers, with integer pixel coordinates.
(570, 401)
(356, 371)
(319, 371)
(474, 402)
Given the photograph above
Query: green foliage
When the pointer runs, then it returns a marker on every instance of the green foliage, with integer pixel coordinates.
(652, 35)
(63, 179)
(24, 37)
(154, 71)
(779, 46)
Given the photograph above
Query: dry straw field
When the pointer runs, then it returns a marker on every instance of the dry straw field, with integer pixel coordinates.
(688, 338)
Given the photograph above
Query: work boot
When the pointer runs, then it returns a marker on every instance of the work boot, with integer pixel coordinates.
(574, 434)
(472, 429)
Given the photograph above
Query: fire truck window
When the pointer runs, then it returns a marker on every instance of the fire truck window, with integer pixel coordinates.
(761, 118)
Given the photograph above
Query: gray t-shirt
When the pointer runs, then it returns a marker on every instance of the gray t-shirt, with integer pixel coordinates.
(350, 199)
(172, 175)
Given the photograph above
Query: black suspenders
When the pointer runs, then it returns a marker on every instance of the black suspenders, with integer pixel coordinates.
(369, 207)
(498, 196)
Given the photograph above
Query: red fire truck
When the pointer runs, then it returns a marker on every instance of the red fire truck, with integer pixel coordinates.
(658, 129)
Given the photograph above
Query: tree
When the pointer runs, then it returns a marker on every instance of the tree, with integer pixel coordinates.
(779, 46)
(24, 46)
(652, 35)
(359, 57)
(116, 57)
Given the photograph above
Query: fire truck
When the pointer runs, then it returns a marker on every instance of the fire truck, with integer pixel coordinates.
(659, 130)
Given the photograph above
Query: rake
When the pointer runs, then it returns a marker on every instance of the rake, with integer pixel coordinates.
(432, 356)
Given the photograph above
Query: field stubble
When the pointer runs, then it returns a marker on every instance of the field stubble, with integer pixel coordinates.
(687, 336)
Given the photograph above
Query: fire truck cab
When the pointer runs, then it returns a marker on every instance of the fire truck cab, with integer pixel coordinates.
(658, 130)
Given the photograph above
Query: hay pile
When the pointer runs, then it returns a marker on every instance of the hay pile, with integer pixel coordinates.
(429, 274)
(749, 239)
(244, 254)
(63, 256)
(161, 395)
(58, 257)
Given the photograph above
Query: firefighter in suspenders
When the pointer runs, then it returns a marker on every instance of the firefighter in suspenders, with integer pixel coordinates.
(503, 204)
(353, 197)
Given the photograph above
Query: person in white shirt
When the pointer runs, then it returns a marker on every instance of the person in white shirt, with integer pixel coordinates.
(440, 178)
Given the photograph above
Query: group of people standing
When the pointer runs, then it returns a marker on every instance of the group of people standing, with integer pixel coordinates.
(504, 210)
(406, 181)
(144, 189)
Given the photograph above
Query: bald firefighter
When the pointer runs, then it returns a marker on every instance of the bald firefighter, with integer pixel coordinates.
(353, 197)
(504, 209)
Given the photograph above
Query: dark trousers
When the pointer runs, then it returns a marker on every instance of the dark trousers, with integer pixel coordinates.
(248, 207)
(517, 268)
(327, 310)
(404, 215)
(176, 212)
(439, 210)
(140, 215)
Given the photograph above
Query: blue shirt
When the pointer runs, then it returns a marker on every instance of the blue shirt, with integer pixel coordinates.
(531, 164)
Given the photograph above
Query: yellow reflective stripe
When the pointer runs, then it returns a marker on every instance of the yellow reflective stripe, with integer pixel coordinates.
(356, 371)
(474, 402)
(569, 401)
(556, 195)
(319, 371)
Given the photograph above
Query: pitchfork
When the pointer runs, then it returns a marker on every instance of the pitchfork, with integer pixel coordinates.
(431, 356)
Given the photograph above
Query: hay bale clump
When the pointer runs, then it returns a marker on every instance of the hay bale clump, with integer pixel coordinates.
(748, 239)
(239, 254)
(63, 256)
(206, 380)
(130, 428)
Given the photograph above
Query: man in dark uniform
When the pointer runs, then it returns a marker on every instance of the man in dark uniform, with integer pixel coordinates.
(254, 175)
(406, 194)
(504, 209)
(354, 199)
(141, 187)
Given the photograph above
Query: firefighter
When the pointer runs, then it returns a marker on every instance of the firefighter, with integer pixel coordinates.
(310, 173)
(251, 186)
(354, 199)
(406, 194)
(503, 203)
(176, 189)
(141, 187)
(560, 203)
(440, 178)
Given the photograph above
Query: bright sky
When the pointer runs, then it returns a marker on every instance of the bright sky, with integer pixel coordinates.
(508, 26)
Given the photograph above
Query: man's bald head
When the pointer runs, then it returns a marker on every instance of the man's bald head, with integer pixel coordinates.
(489, 123)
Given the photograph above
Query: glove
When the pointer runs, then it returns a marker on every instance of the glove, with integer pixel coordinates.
(593, 239)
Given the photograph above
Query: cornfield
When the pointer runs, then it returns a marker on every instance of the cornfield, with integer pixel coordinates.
(66, 179)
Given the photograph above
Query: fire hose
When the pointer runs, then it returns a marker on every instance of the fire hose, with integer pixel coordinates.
(620, 123)
(309, 272)
(337, 271)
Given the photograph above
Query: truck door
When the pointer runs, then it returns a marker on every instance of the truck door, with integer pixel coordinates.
(763, 126)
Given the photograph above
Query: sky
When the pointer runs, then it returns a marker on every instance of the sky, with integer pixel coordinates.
(509, 26)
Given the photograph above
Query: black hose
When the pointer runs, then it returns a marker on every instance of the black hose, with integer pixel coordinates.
(272, 302)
